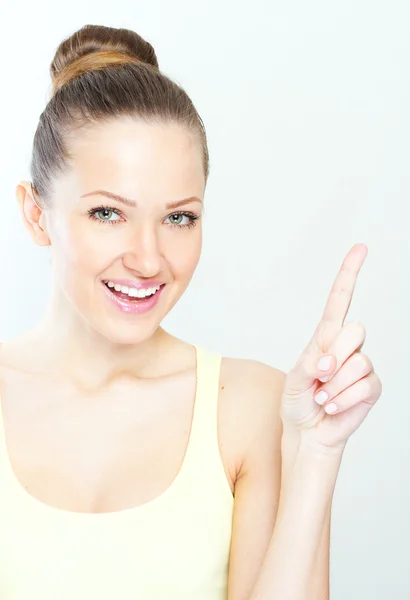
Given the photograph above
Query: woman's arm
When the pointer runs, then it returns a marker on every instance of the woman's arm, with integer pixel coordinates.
(319, 583)
(308, 484)
(267, 468)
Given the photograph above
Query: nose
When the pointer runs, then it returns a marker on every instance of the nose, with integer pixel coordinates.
(143, 253)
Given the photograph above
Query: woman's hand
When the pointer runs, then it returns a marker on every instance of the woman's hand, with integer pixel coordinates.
(352, 386)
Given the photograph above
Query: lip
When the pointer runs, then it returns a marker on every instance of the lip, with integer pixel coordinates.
(130, 307)
(139, 285)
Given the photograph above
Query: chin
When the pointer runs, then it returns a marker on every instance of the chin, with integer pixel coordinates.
(127, 334)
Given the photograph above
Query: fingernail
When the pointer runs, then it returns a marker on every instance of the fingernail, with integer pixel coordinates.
(331, 408)
(324, 363)
(321, 397)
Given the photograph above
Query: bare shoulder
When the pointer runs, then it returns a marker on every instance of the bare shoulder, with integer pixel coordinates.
(249, 396)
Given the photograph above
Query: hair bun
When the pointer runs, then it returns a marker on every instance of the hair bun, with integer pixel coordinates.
(96, 46)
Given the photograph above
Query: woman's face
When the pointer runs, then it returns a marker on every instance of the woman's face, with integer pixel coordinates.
(95, 238)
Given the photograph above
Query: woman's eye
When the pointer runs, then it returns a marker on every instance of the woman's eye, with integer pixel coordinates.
(106, 214)
(177, 219)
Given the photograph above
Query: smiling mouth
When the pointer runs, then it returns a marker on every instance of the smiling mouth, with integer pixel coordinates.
(125, 296)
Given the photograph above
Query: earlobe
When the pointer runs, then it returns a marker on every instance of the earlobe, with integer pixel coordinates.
(33, 215)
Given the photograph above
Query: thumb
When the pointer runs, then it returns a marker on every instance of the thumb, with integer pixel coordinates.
(309, 367)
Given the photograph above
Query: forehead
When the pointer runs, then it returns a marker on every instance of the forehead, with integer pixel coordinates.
(133, 157)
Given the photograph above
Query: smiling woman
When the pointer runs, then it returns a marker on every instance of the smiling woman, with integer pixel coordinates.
(119, 170)
(134, 464)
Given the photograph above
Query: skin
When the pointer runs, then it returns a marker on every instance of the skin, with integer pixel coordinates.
(154, 165)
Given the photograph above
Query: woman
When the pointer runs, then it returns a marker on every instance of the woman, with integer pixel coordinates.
(134, 464)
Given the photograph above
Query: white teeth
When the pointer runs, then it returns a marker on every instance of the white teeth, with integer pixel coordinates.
(132, 292)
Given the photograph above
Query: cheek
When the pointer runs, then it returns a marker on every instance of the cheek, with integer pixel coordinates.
(83, 250)
(183, 257)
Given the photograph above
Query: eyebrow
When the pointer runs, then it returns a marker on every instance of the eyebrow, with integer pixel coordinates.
(132, 203)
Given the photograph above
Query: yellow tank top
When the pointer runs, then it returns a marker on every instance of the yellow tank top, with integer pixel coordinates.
(174, 547)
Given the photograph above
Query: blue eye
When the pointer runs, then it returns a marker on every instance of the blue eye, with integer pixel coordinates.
(190, 216)
(104, 209)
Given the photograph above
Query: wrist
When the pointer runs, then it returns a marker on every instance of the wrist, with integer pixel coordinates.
(311, 448)
(299, 440)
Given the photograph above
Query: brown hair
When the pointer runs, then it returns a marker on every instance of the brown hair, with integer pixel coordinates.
(100, 73)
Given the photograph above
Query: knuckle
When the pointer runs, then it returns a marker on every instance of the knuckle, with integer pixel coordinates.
(368, 388)
(363, 362)
(359, 329)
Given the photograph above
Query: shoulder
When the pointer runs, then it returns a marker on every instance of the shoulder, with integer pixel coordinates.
(249, 397)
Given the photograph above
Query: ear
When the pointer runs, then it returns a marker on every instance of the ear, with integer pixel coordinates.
(33, 216)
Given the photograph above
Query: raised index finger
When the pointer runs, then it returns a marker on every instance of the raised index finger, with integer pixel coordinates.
(341, 293)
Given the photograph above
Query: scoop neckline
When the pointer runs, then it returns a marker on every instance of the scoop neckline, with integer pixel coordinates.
(37, 504)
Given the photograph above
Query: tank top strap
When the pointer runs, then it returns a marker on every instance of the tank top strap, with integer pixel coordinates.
(203, 447)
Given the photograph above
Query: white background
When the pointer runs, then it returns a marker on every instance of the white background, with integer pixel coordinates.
(306, 106)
